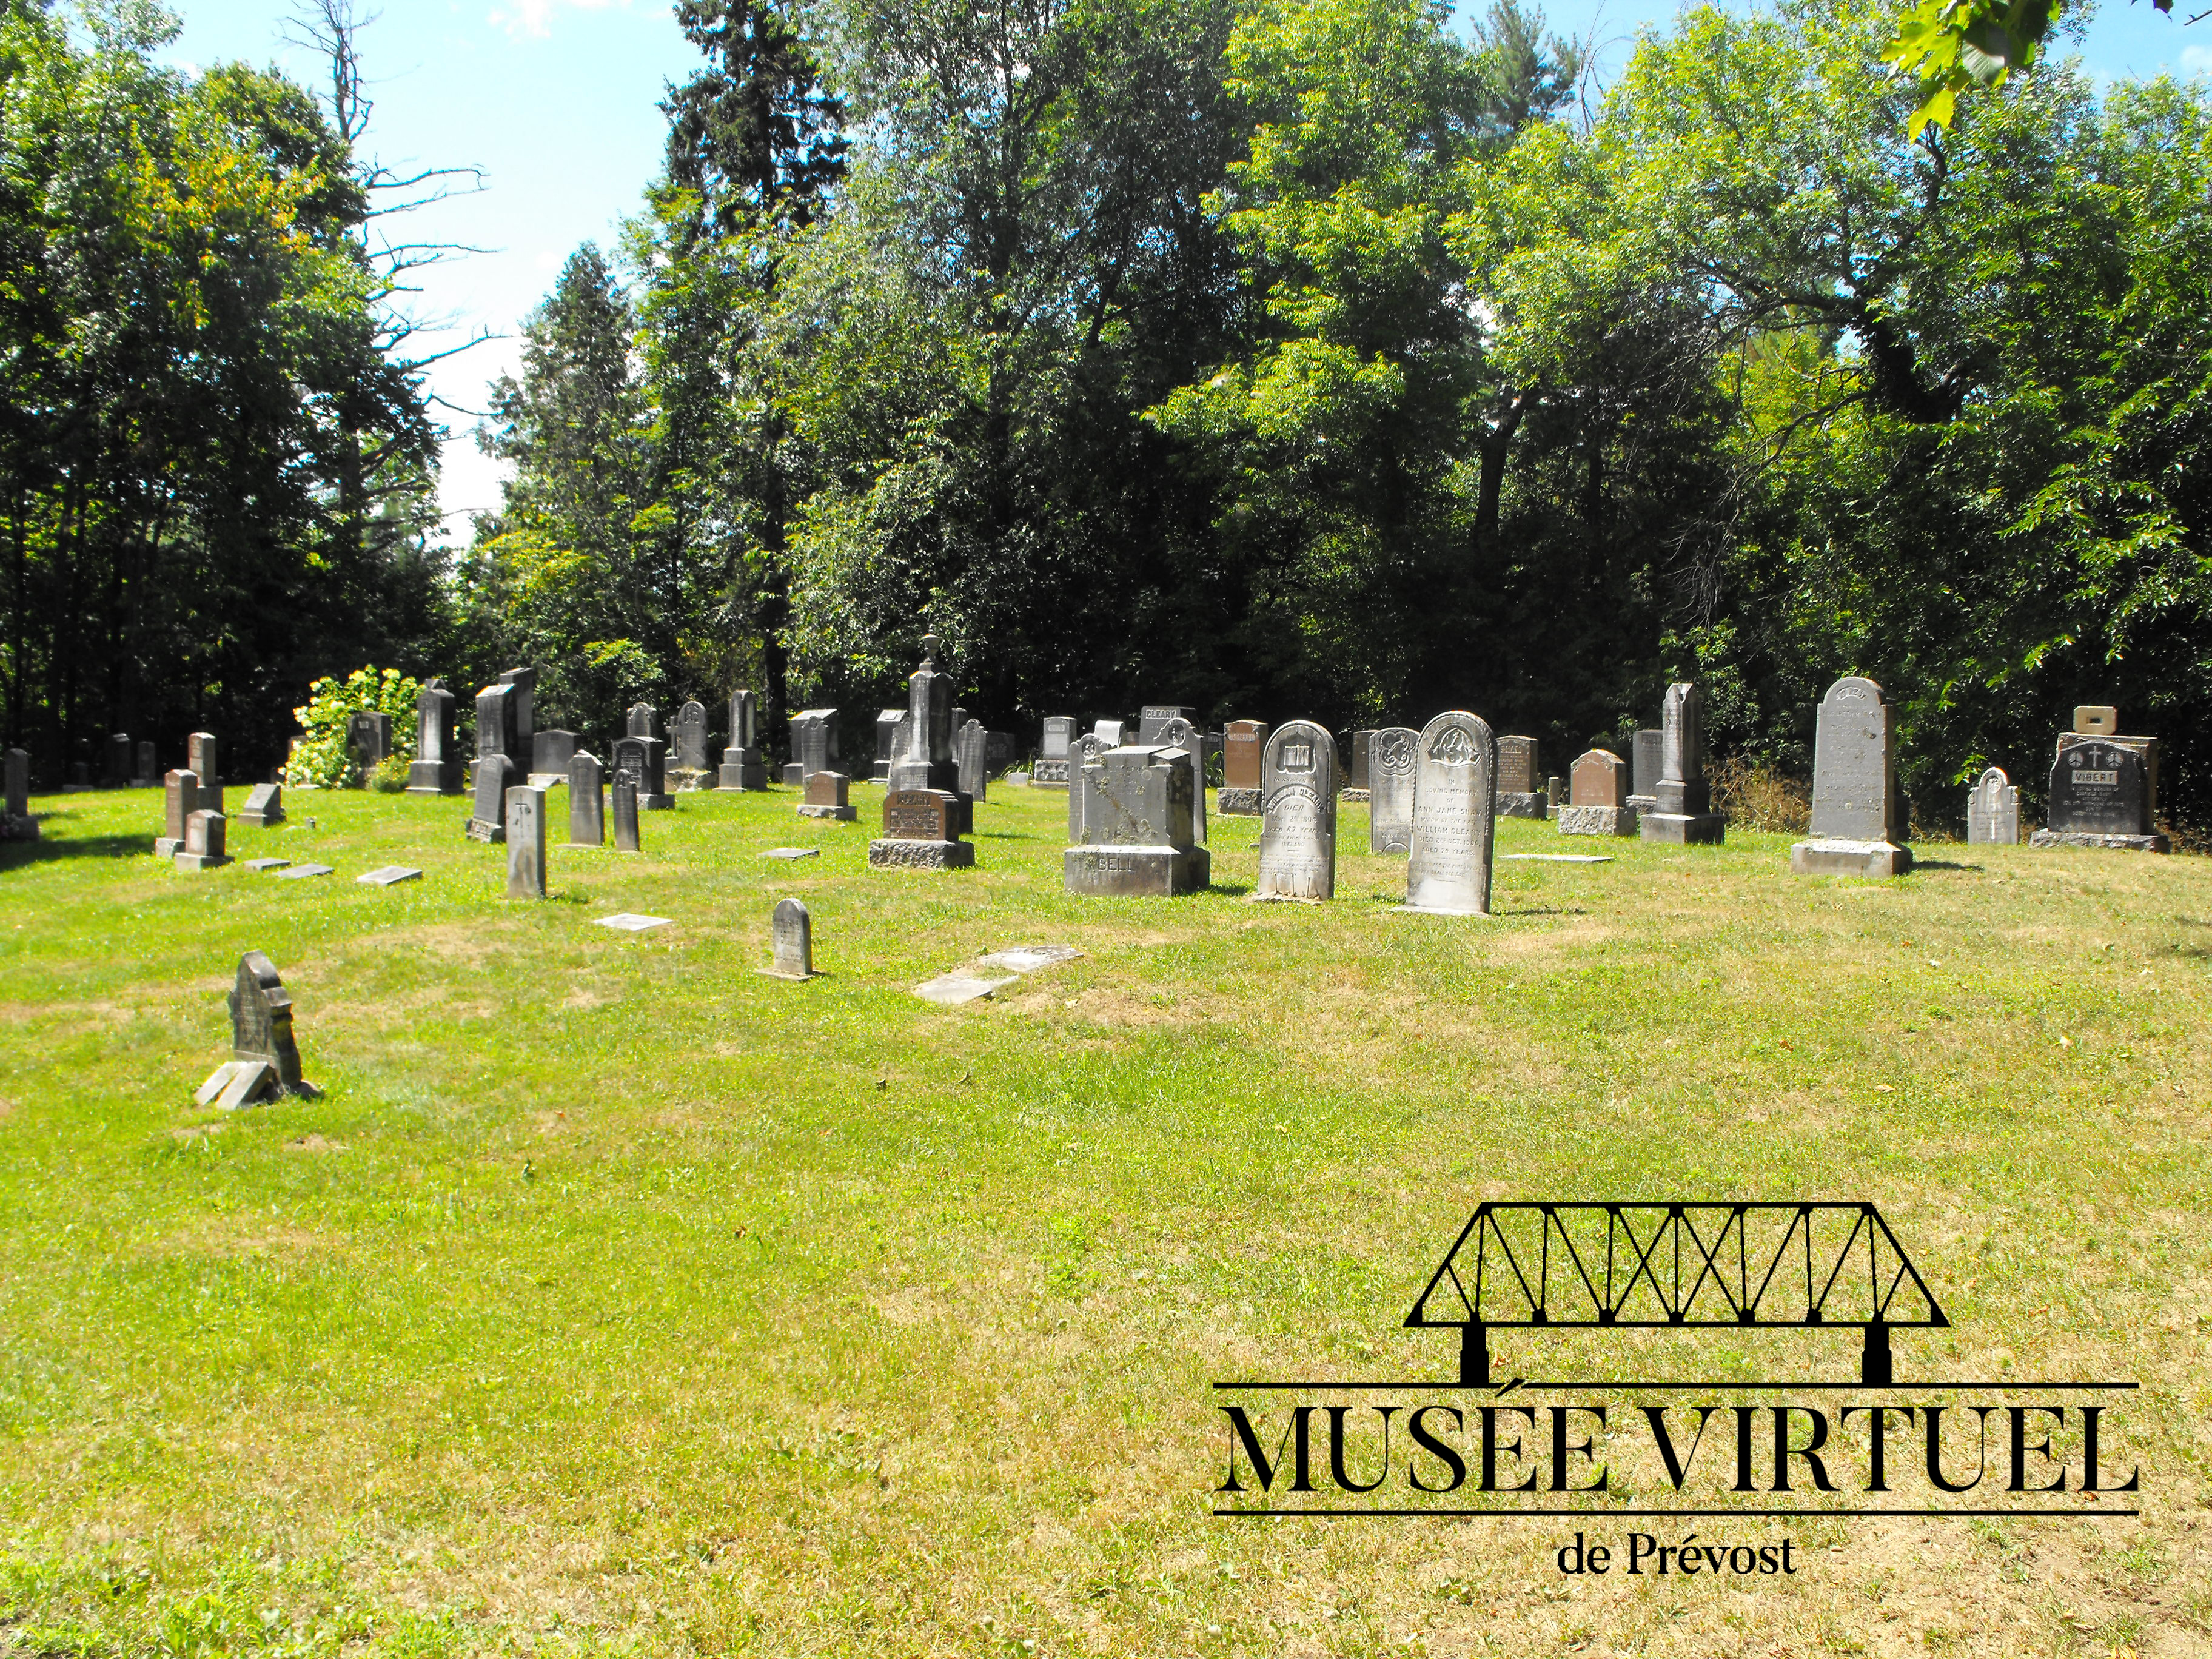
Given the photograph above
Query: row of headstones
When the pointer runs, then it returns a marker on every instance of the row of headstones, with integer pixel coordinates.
(2103, 792)
(195, 828)
(976, 753)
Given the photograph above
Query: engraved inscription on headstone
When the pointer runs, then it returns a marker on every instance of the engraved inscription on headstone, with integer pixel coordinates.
(791, 940)
(644, 761)
(1139, 840)
(1051, 771)
(1993, 811)
(1152, 721)
(1455, 817)
(1520, 780)
(1854, 787)
(1391, 762)
(1297, 813)
(920, 831)
(2100, 793)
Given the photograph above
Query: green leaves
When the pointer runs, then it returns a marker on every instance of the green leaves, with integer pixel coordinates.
(1955, 46)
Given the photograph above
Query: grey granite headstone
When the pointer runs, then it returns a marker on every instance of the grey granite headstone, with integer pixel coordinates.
(1297, 813)
(691, 737)
(1112, 734)
(1682, 812)
(265, 805)
(624, 793)
(1455, 817)
(368, 736)
(743, 766)
(1050, 771)
(827, 797)
(1993, 811)
(143, 775)
(1649, 756)
(1241, 745)
(1138, 840)
(204, 842)
(1519, 778)
(550, 751)
(116, 769)
(588, 807)
(496, 732)
(889, 724)
(970, 758)
(492, 774)
(200, 761)
(642, 720)
(813, 740)
(523, 712)
(1356, 783)
(526, 841)
(1597, 797)
(2100, 797)
(1854, 787)
(1186, 740)
(791, 941)
(436, 768)
(1391, 759)
(181, 800)
(641, 760)
(927, 761)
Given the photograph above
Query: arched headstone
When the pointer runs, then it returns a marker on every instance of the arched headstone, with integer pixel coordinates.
(1297, 813)
(1455, 817)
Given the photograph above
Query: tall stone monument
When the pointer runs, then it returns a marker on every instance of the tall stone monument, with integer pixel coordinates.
(1392, 758)
(181, 800)
(1683, 814)
(200, 761)
(1520, 780)
(523, 712)
(927, 761)
(1597, 797)
(622, 796)
(436, 768)
(1139, 842)
(1993, 811)
(1455, 817)
(498, 729)
(16, 823)
(1856, 831)
(743, 766)
(587, 822)
(971, 757)
(1297, 813)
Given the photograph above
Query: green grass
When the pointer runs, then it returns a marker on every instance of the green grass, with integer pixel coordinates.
(615, 1297)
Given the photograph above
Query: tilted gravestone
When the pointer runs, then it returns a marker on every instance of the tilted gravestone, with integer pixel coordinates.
(1597, 797)
(1455, 817)
(200, 761)
(265, 1057)
(204, 842)
(1139, 842)
(1186, 740)
(1050, 771)
(641, 760)
(1648, 753)
(526, 841)
(143, 775)
(791, 941)
(889, 723)
(1993, 811)
(1682, 810)
(743, 766)
(16, 823)
(922, 831)
(690, 740)
(492, 776)
(265, 807)
(624, 794)
(1242, 743)
(1297, 813)
(1854, 809)
(2100, 797)
(1520, 779)
(1391, 759)
(826, 797)
(181, 800)
(587, 822)
(436, 768)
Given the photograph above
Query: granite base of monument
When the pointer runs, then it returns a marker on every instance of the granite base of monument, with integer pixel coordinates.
(200, 861)
(1048, 775)
(1597, 821)
(741, 776)
(168, 847)
(1237, 803)
(434, 777)
(1523, 803)
(921, 854)
(1643, 803)
(1136, 871)
(2152, 843)
(841, 814)
(655, 802)
(1683, 828)
(1828, 857)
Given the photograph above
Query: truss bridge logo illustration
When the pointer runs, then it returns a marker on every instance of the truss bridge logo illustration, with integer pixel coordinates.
(1739, 1281)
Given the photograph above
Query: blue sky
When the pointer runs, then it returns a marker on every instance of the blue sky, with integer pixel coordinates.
(557, 100)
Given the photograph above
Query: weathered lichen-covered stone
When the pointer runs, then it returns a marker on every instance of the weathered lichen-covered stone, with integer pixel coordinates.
(826, 797)
(264, 1056)
(1297, 813)
(523, 713)
(587, 820)
(1082, 795)
(496, 732)
(971, 758)
(1050, 770)
(265, 807)
(1138, 838)
(550, 751)
(2100, 797)
(526, 841)
(1682, 812)
(180, 798)
(791, 941)
(642, 720)
(1391, 760)
(204, 842)
(1856, 831)
(1597, 820)
(691, 737)
(436, 768)
(1455, 817)
(1993, 811)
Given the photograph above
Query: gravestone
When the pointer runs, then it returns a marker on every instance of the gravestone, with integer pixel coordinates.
(200, 761)
(1356, 785)
(1082, 800)
(920, 832)
(1520, 779)
(640, 760)
(180, 798)
(1112, 734)
(743, 766)
(1455, 817)
(496, 727)
(1152, 721)
(1555, 791)
(826, 797)
(492, 775)
(1993, 811)
(1391, 759)
(368, 737)
(587, 821)
(204, 842)
(1297, 813)
(1242, 743)
(889, 724)
(2101, 720)
(925, 760)
(524, 715)
(1050, 771)
(971, 756)
(526, 841)
(16, 823)
(1682, 813)
(624, 794)
(1186, 740)
(1597, 797)
(144, 776)
(265, 807)
(265, 1057)
(1649, 756)
(690, 741)
(1139, 841)
(115, 772)
(1854, 810)
(2100, 797)
(550, 751)
(436, 768)
(642, 720)
(791, 940)
(813, 744)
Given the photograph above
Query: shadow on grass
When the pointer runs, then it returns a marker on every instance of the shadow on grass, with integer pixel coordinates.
(1233, 889)
(15, 853)
(1944, 864)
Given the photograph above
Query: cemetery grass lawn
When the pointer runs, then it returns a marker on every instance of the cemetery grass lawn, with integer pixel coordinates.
(615, 1297)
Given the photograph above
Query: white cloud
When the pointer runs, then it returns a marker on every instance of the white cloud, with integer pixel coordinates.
(534, 18)
(2197, 60)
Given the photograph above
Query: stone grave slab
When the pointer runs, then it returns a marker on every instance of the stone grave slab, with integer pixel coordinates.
(629, 921)
(390, 876)
(793, 853)
(303, 872)
(263, 866)
(950, 990)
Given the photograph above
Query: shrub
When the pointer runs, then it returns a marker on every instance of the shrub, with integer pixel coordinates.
(1758, 798)
(390, 777)
(321, 760)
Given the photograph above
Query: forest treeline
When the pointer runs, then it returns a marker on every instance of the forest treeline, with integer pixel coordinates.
(1289, 357)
